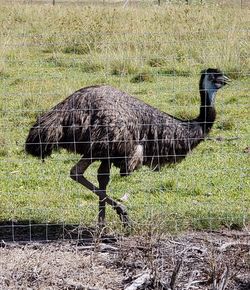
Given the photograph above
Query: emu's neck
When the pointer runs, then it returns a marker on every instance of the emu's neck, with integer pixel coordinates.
(207, 114)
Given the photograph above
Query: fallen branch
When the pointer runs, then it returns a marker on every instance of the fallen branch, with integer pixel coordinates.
(231, 244)
(192, 280)
(191, 283)
(101, 247)
(224, 279)
(142, 281)
(175, 274)
(77, 286)
(220, 283)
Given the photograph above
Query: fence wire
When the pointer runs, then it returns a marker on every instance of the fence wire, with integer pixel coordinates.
(160, 65)
(125, 3)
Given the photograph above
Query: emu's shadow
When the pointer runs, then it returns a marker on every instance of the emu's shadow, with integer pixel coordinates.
(26, 231)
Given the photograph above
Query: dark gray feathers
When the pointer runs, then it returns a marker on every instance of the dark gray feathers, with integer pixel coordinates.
(102, 122)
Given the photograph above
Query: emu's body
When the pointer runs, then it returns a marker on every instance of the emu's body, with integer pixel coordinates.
(103, 123)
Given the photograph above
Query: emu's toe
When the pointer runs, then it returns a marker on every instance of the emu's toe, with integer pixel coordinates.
(123, 214)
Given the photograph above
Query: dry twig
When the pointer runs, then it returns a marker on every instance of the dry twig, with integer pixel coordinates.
(142, 281)
(175, 274)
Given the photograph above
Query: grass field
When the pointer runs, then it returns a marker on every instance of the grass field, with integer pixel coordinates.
(155, 53)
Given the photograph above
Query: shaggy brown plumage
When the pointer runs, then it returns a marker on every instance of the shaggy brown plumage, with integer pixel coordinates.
(106, 124)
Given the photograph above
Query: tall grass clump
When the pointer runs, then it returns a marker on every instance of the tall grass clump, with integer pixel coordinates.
(171, 37)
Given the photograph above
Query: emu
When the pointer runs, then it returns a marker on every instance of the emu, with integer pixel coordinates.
(105, 124)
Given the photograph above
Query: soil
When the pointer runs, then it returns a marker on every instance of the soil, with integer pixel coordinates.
(194, 260)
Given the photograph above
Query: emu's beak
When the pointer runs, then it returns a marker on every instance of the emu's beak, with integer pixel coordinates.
(223, 80)
(226, 80)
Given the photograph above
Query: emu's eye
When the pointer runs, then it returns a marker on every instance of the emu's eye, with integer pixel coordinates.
(211, 78)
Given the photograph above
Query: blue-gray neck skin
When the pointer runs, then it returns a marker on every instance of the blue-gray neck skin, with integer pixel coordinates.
(207, 111)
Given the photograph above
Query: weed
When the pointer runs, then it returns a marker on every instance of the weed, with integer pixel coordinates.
(3, 74)
(142, 77)
(121, 68)
(157, 62)
(175, 72)
(3, 147)
(90, 66)
(226, 124)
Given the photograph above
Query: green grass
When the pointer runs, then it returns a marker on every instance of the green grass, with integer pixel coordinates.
(154, 53)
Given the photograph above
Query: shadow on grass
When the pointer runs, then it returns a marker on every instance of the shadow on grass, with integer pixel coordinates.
(26, 230)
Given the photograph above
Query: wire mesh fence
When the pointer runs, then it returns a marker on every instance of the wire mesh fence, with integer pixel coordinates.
(124, 3)
(154, 55)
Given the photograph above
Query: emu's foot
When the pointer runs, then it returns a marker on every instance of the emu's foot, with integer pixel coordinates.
(101, 223)
(122, 212)
(101, 230)
(101, 226)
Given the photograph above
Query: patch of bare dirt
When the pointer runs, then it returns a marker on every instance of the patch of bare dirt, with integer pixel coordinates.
(196, 260)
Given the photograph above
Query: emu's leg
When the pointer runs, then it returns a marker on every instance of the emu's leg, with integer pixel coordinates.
(103, 179)
(76, 173)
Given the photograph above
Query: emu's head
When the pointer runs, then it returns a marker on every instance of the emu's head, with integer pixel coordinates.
(39, 142)
(211, 81)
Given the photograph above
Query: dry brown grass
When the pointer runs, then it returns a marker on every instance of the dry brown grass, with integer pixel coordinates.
(205, 261)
